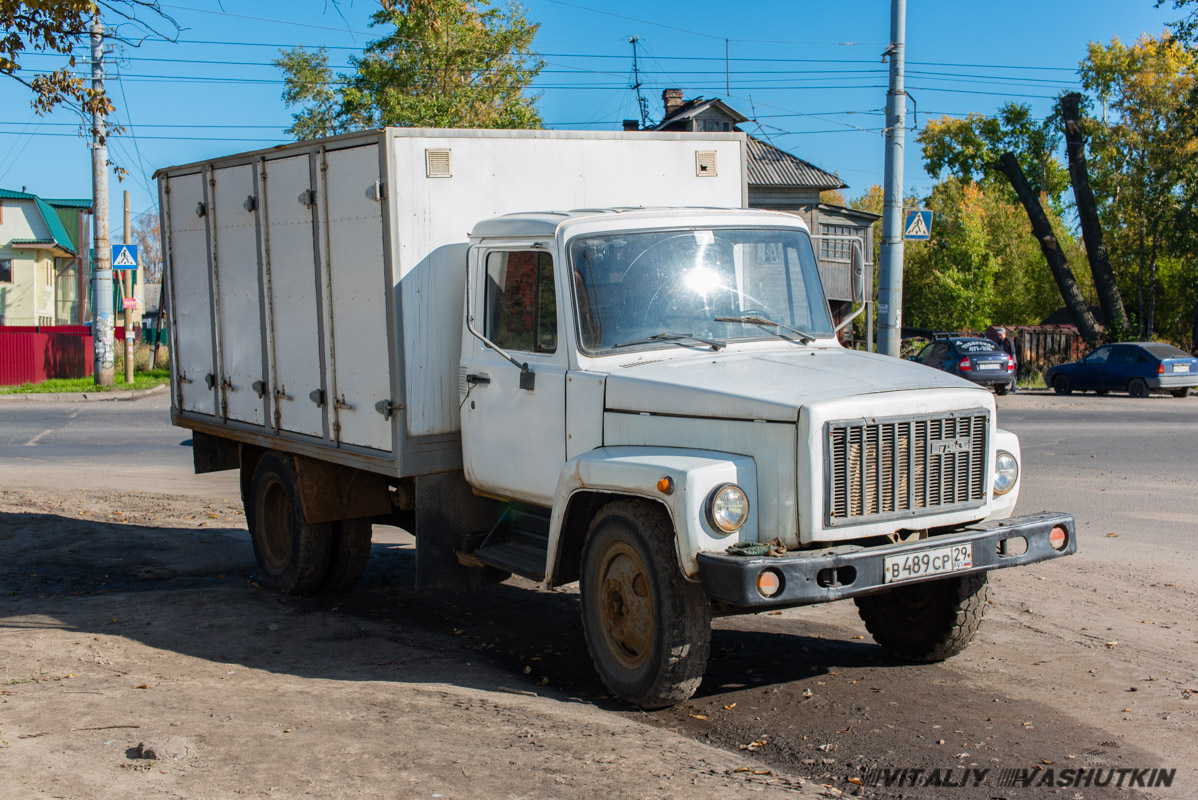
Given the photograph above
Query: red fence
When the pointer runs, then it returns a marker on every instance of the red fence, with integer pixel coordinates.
(32, 357)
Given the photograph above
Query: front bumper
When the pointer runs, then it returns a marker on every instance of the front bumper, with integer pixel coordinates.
(834, 573)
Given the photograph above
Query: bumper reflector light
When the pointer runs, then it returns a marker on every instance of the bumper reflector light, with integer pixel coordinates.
(769, 583)
(1057, 538)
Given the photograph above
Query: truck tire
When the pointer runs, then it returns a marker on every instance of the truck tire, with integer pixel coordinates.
(648, 629)
(293, 554)
(1137, 388)
(928, 621)
(351, 551)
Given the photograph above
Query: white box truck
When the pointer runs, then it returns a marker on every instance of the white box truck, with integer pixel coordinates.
(574, 357)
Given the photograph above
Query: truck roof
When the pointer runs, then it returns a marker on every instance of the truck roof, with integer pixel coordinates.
(545, 223)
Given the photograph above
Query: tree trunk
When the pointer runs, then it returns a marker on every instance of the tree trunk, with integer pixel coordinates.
(1042, 230)
(1087, 212)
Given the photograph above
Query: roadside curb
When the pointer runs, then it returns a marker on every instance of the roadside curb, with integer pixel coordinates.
(81, 397)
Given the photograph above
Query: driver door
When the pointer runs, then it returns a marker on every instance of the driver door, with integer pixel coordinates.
(1088, 374)
(514, 438)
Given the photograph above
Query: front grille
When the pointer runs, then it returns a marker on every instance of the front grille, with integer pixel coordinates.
(904, 466)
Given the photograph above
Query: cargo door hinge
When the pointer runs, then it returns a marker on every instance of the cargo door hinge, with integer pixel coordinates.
(317, 397)
(259, 388)
(377, 191)
(210, 380)
(341, 405)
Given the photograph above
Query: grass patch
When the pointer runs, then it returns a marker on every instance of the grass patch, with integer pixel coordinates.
(141, 380)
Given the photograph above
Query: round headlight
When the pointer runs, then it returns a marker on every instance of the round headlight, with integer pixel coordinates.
(1006, 472)
(728, 508)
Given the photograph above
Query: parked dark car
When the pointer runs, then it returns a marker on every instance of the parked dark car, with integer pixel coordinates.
(1133, 367)
(973, 358)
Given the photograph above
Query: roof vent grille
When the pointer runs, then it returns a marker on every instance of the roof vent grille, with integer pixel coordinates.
(436, 163)
(705, 166)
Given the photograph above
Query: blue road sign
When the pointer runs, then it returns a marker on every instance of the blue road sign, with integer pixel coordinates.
(124, 256)
(918, 224)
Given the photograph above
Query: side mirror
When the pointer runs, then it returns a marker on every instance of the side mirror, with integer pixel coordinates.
(858, 267)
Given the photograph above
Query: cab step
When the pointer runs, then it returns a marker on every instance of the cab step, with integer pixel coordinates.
(518, 543)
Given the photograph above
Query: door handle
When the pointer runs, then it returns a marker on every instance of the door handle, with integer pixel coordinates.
(478, 379)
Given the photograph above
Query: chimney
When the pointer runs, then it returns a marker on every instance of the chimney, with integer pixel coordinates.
(632, 125)
(672, 100)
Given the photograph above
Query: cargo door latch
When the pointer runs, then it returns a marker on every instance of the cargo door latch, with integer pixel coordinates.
(388, 408)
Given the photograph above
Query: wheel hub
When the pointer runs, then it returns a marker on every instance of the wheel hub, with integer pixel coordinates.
(627, 610)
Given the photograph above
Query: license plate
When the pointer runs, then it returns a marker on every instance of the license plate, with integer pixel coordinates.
(1181, 367)
(940, 561)
(990, 365)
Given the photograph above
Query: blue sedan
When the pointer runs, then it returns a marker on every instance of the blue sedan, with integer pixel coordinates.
(1134, 367)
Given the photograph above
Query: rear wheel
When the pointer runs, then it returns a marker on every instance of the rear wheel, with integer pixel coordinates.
(1137, 388)
(1061, 385)
(648, 629)
(928, 621)
(1184, 392)
(292, 553)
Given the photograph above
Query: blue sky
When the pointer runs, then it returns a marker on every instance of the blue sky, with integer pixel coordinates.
(808, 73)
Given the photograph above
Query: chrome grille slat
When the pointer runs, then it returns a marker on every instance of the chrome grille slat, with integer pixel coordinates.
(885, 469)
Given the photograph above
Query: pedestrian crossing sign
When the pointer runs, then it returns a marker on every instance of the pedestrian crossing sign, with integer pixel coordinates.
(918, 224)
(124, 256)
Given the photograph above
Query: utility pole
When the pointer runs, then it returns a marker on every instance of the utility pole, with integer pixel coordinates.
(890, 274)
(128, 294)
(102, 322)
(641, 102)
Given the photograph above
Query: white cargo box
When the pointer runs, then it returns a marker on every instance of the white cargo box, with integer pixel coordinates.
(316, 289)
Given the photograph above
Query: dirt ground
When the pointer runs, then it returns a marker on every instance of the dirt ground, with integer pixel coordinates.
(140, 658)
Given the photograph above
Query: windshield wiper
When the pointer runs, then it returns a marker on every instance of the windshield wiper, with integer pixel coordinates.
(756, 318)
(714, 344)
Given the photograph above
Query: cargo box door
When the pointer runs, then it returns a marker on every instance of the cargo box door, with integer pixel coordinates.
(191, 311)
(240, 311)
(357, 277)
(290, 243)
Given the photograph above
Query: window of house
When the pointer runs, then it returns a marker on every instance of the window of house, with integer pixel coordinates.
(521, 304)
(714, 125)
(49, 270)
(5, 270)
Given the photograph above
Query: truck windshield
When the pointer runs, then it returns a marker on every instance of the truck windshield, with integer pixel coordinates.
(720, 284)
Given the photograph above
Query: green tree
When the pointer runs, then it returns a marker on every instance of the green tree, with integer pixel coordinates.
(968, 148)
(441, 63)
(1146, 158)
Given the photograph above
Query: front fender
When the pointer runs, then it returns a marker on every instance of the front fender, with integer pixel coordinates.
(635, 472)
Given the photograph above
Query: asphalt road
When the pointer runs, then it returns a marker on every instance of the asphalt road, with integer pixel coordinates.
(1047, 684)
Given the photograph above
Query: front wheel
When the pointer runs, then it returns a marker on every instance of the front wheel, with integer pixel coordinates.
(648, 629)
(1061, 385)
(1137, 388)
(928, 621)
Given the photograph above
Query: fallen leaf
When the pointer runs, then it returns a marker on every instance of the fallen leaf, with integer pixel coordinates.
(287, 730)
(1112, 535)
(730, 707)
(1112, 643)
(141, 686)
(855, 780)
(697, 716)
(858, 636)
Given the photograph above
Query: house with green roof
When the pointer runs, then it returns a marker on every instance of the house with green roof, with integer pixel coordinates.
(43, 259)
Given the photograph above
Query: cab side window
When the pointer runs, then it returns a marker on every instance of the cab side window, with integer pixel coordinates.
(520, 301)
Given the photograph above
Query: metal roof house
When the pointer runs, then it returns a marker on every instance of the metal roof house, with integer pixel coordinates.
(43, 252)
(781, 181)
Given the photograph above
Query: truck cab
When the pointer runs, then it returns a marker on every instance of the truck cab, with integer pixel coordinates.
(660, 398)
